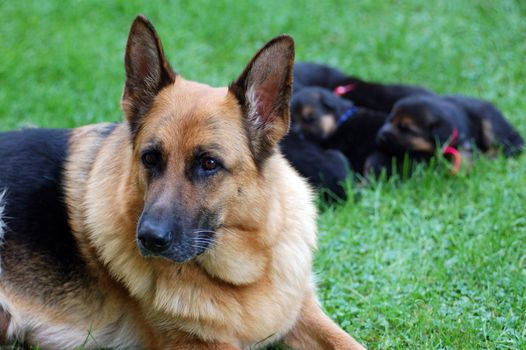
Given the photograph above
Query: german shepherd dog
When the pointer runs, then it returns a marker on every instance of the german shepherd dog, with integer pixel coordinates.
(181, 228)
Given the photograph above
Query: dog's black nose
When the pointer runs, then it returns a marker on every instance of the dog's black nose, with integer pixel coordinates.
(154, 236)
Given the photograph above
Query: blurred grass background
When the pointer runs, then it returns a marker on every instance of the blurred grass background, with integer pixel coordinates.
(436, 262)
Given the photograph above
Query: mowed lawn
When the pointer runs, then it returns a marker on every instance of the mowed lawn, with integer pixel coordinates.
(434, 262)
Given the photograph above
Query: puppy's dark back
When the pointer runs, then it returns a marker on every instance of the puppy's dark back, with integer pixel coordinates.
(372, 95)
(381, 97)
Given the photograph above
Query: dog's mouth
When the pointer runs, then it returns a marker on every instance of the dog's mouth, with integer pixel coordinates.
(180, 248)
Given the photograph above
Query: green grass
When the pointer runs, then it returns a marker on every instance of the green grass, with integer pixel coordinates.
(435, 262)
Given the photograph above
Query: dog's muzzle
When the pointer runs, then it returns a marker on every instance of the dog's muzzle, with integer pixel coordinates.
(165, 237)
(385, 136)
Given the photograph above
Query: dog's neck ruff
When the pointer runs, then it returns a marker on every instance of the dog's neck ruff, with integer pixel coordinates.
(343, 89)
(449, 149)
(346, 115)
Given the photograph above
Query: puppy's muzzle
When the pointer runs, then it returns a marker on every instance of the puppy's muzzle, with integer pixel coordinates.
(385, 136)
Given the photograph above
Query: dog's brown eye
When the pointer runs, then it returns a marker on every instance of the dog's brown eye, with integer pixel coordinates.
(151, 159)
(209, 164)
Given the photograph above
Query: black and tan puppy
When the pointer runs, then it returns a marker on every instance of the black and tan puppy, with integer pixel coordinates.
(418, 124)
(372, 95)
(316, 112)
(181, 228)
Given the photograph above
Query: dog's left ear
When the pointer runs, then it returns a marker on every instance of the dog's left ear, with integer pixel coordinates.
(147, 71)
(263, 91)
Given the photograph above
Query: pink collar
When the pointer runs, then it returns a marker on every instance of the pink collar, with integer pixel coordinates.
(343, 89)
(449, 149)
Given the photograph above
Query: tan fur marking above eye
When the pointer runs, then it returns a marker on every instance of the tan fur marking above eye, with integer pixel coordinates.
(409, 123)
(306, 111)
(406, 120)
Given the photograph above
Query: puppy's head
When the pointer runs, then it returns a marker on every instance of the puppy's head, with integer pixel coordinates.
(199, 151)
(415, 126)
(315, 112)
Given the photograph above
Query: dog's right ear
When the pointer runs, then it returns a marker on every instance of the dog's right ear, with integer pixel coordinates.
(147, 71)
(263, 91)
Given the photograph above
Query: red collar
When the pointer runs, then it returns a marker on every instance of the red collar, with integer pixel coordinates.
(449, 149)
(343, 89)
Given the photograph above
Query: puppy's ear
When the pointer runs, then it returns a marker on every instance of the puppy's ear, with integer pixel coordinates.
(263, 91)
(147, 71)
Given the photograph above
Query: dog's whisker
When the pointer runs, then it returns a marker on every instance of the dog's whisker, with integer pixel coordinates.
(201, 246)
(203, 242)
(205, 231)
(203, 238)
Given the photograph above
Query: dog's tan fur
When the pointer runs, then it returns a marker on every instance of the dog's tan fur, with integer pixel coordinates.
(253, 286)
(414, 142)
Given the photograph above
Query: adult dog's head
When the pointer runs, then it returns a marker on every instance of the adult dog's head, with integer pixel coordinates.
(201, 153)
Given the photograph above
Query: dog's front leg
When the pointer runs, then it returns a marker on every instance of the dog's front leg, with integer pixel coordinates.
(315, 330)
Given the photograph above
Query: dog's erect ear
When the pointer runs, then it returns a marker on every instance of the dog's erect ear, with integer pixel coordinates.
(263, 91)
(147, 70)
